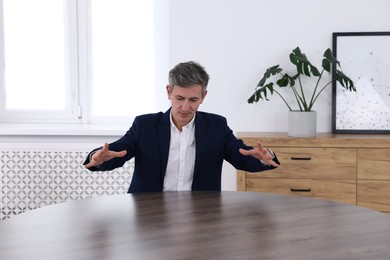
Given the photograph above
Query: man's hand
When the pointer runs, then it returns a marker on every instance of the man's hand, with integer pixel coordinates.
(103, 155)
(261, 153)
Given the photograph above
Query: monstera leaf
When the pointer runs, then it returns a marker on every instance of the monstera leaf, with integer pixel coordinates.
(303, 64)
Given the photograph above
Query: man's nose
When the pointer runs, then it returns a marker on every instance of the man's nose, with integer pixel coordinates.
(186, 105)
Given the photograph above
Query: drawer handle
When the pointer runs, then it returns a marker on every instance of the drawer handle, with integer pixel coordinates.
(300, 189)
(301, 158)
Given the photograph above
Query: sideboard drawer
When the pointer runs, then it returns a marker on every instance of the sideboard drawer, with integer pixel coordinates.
(339, 190)
(313, 163)
(374, 164)
(374, 194)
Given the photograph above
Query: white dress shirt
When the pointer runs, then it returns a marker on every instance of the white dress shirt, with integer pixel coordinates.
(181, 159)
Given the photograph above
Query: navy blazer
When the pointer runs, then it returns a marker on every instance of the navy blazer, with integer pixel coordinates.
(148, 140)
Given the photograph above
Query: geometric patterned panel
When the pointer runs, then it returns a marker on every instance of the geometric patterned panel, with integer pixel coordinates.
(33, 179)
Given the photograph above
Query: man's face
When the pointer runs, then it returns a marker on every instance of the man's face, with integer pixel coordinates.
(185, 102)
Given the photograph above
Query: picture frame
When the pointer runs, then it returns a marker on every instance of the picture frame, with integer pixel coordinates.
(365, 58)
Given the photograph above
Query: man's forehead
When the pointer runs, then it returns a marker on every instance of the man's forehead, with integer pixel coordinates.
(195, 90)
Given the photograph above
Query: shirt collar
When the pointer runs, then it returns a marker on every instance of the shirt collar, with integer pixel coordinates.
(189, 125)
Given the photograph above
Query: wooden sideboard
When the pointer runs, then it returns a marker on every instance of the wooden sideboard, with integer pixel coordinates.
(353, 169)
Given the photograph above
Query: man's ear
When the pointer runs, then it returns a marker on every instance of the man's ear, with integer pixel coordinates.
(204, 95)
(168, 92)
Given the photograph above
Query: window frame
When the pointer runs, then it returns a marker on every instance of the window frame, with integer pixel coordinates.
(79, 77)
(72, 111)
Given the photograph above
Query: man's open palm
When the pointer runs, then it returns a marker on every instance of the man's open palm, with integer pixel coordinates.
(103, 155)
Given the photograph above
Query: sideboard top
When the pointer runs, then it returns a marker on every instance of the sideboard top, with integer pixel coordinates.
(321, 140)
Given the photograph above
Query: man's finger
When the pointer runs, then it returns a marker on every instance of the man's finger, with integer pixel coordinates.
(274, 164)
(105, 148)
(245, 152)
(89, 165)
(120, 154)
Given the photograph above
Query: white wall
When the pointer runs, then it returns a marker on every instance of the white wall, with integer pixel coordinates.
(236, 40)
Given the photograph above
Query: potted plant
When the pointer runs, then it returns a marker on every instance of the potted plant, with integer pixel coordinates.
(274, 76)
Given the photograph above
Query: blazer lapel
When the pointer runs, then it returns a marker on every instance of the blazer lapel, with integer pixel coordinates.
(164, 132)
(200, 130)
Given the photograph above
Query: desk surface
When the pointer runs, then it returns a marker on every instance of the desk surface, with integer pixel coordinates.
(201, 225)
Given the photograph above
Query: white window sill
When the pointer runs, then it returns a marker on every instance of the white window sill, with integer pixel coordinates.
(63, 129)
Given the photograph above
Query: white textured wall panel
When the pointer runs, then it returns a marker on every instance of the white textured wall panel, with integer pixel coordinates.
(30, 179)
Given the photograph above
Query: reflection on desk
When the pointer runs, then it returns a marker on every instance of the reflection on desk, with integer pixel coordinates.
(201, 225)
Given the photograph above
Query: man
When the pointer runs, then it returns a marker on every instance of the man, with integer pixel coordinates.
(181, 149)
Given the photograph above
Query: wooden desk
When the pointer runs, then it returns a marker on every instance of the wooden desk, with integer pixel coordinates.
(197, 225)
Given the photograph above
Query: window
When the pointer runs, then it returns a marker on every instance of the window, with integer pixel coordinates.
(80, 61)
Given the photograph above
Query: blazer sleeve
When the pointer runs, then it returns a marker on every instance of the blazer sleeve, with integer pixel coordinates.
(126, 142)
(239, 161)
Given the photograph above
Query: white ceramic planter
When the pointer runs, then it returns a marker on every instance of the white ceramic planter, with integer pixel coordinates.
(302, 123)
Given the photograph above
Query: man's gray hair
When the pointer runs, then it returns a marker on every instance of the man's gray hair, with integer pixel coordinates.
(187, 74)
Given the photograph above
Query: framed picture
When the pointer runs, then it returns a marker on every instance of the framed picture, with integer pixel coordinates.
(365, 58)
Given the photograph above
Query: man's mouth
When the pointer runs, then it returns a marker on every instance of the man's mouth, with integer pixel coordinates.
(184, 114)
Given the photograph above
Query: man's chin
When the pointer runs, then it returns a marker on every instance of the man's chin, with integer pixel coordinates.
(185, 120)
